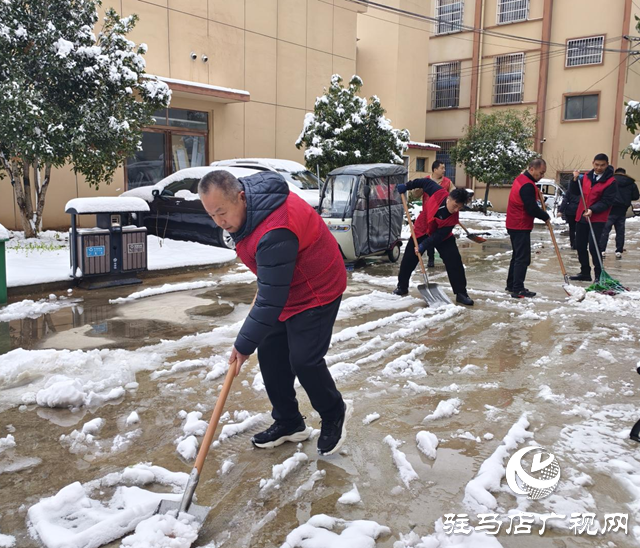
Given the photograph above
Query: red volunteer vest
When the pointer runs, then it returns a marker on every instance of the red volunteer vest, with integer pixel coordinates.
(517, 217)
(319, 276)
(420, 225)
(433, 205)
(593, 194)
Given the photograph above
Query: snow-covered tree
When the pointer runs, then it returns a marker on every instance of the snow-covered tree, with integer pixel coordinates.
(67, 96)
(497, 147)
(345, 129)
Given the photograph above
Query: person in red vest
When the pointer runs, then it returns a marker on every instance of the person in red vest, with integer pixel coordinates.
(440, 217)
(522, 208)
(301, 279)
(599, 188)
(438, 170)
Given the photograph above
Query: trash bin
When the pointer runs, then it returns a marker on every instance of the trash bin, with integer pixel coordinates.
(115, 250)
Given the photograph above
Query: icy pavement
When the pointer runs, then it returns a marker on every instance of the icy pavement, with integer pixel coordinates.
(104, 382)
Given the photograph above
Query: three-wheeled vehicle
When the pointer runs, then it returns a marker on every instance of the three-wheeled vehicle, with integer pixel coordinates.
(363, 210)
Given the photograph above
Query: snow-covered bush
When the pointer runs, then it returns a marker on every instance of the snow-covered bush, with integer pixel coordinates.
(632, 121)
(346, 129)
(497, 147)
(67, 96)
(478, 205)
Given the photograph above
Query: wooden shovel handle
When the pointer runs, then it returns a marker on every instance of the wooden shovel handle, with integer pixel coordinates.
(215, 417)
(464, 228)
(413, 234)
(553, 236)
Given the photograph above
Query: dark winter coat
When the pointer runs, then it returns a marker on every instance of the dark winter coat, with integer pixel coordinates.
(569, 204)
(627, 192)
(276, 257)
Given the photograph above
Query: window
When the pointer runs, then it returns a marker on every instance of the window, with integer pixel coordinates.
(445, 87)
(584, 51)
(509, 79)
(177, 140)
(512, 11)
(443, 154)
(581, 107)
(449, 16)
(420, 164)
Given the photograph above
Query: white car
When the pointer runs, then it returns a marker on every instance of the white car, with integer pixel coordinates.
(301, 181)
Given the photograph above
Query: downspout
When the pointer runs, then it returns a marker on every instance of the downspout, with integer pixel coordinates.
(474, 99)
(622, 69)
(541, 103)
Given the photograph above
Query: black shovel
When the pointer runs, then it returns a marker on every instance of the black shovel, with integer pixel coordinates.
(186, 505)
(431, 293)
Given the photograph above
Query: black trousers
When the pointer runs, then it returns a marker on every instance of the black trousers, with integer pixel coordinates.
(617, 221)
(584, 240)
(520, 259)
(450, 256)
(296, 348)
(571, 221)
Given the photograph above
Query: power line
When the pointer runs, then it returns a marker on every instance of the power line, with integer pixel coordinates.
(460, 26)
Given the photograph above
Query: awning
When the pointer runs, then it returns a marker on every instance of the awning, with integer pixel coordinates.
(197, 90)
(423, 146)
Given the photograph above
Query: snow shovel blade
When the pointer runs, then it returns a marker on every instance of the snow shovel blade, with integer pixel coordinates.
(433, 295)
(172, 507)
(477, 239)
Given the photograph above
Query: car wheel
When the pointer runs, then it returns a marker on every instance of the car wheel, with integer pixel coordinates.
(227, 240)
(394, 253)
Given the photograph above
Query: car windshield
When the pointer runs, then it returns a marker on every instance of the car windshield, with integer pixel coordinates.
(302, 179)
(337, 196)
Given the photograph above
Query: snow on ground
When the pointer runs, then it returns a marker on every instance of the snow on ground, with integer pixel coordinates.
(166, 288)
(32, 309)
(26, 257)
(281, 471)
(427, 443)
(164, 531)
(407, 473)
(320, 532)
(445, 409)
(351, 497)
(73, 519)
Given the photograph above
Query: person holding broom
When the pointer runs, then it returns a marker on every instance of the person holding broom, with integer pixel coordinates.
(301, 279)
(522, 208)
(599, 190)
(441, 215)
(438, 170)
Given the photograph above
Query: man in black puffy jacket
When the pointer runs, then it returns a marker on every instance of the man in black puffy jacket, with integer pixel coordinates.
(568, 209)
(627, 193)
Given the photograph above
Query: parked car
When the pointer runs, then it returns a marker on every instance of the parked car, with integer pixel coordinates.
(176, 211)
(552, 193)
(301, 181)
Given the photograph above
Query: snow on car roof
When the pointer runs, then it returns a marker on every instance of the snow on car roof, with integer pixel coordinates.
(274, 163)
(105, 204)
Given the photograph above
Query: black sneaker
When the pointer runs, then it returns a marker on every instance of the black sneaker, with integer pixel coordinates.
(522, 294)
(508, 289)
(431, 263)
(333, 433)
(400, 291)
(581, 277)
(463, 298)
(279, 432)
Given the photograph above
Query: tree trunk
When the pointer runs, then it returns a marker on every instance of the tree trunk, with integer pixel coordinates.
(486, 198)
(41, 191)
(26, 214)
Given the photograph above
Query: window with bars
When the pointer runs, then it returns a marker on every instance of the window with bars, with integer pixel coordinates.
(585, 51)
(508, 86)
(449, 16)
(443, 154)
(445, 85)
(512, 11)
(421, 164)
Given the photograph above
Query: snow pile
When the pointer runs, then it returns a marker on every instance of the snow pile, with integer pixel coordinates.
(233, 429)
(427, 443)
(408, 365)
(133, 418)
(370, 418)
(318, 532)
(61, 391)
(407, 473)
(164, 531)
(478, 497)
(4, 233)
(279, 472)
(6, 541)
(34, 309)
(187, 445)
(161, 290)
(73, 519)
(373, 302)
(85, 442)
(446, 408)
(7, 443)
(442, 539)
(308, 485)
(351, 497)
